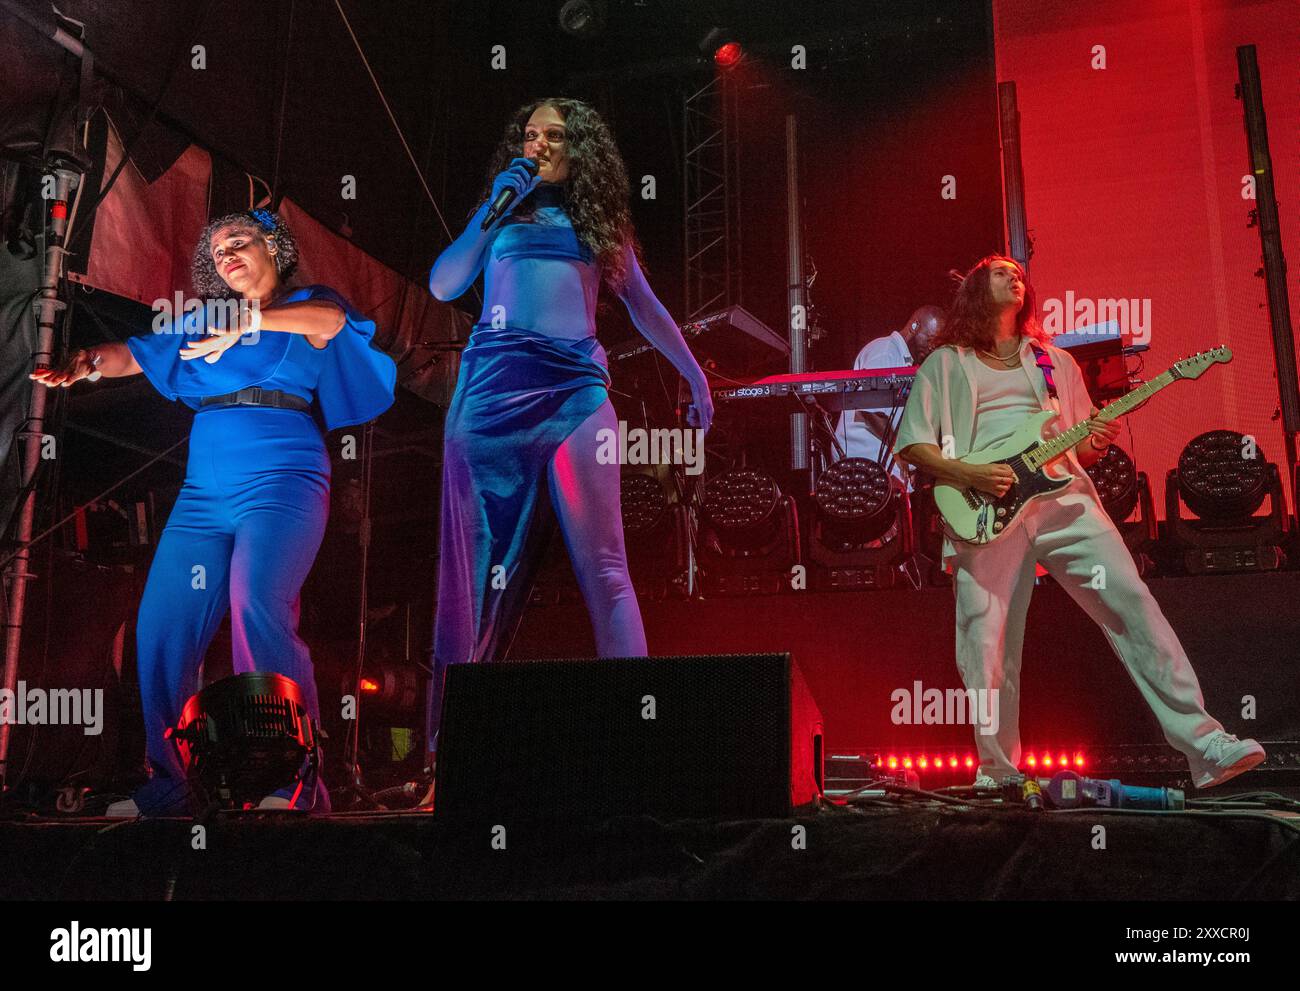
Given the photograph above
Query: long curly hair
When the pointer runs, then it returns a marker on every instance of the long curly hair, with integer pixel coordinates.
(973, 317)
(259, 223)
(596, 190)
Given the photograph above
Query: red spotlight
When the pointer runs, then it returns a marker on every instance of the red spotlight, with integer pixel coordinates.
(728, 55)
(1032, 761)
(893, 763)
(1078, 760)
(907, 761)
(952, 761)
(1064, 761)
(1047, 760)
(369, 686)
(922, 764)
(970, 761)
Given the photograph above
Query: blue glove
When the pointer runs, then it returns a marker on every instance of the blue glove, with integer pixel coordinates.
(517, 177)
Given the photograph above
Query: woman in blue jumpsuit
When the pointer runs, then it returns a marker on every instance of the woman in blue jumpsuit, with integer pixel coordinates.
(531, 401)
(245, 529)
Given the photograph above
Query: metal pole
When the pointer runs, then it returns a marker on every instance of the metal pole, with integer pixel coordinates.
(1013, 176)
(1270, 237)
(797, 290)
(48, 306)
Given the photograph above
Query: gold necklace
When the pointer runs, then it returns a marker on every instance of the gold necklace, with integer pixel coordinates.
(1014, 356)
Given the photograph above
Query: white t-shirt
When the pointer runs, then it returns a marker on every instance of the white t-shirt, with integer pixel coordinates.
(858, 439)
(1005, 399)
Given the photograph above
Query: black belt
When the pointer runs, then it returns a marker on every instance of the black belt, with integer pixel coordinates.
(257, 396)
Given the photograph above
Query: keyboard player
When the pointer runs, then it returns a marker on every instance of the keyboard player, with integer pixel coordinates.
(862, 431)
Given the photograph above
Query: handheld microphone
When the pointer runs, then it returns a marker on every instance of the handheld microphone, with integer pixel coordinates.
(505, 198)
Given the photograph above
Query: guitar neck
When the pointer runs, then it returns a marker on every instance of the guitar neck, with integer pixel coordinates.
(1049, 450)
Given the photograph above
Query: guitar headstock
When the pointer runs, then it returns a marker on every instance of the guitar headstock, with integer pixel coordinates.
(1193, 367)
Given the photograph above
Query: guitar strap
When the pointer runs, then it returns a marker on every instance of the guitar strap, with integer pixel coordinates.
(1044, 362)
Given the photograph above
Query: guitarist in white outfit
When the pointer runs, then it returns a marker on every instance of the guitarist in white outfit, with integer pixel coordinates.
(981, 382)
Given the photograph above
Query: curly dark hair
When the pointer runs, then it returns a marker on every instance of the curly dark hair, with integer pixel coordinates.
(972, 318)
(596, 191)
(203, 270)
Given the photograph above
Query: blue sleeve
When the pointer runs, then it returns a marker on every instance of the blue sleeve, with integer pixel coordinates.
(357, 380)
(158, 355)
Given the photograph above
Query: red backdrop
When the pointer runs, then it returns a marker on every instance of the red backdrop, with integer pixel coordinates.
(1134, 178)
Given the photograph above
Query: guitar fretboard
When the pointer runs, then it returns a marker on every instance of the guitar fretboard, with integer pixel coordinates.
(1049, 450)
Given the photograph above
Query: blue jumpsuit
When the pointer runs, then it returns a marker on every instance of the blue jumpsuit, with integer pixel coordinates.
(520, 442)
(245, 529)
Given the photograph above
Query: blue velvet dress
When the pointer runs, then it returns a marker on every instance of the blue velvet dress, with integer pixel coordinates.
(245, 529)
(521, 393)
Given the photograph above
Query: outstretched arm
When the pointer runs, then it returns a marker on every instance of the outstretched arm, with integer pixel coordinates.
(115, 361)
(655, 324)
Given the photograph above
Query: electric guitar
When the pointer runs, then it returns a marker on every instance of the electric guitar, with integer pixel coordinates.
(978, 517)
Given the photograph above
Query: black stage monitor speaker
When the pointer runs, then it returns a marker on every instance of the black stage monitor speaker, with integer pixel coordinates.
(733, 735)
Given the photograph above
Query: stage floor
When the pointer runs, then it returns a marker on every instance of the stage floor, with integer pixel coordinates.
(896, 853)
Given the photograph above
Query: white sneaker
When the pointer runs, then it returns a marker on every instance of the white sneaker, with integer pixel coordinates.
(125, 809)
(1225, 757)
(984, 781)
(274, 802)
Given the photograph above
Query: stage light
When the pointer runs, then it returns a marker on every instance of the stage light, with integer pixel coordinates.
(390, 690)
(855, 503)
(1223, 477)
(749, 535)
(656, 533)
(1219, 482)
(245, 736)
(721, 45)
(582, 18)
(1044, 762)
(861, 526)
(742, 505)
(1123, 489)
(728, 55)
(1116, 479)
(644, 503)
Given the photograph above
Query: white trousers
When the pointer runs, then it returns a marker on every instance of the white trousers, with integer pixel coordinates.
(1074, 539)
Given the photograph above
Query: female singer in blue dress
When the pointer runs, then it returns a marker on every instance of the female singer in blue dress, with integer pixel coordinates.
(250, 516)
(532, 393)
